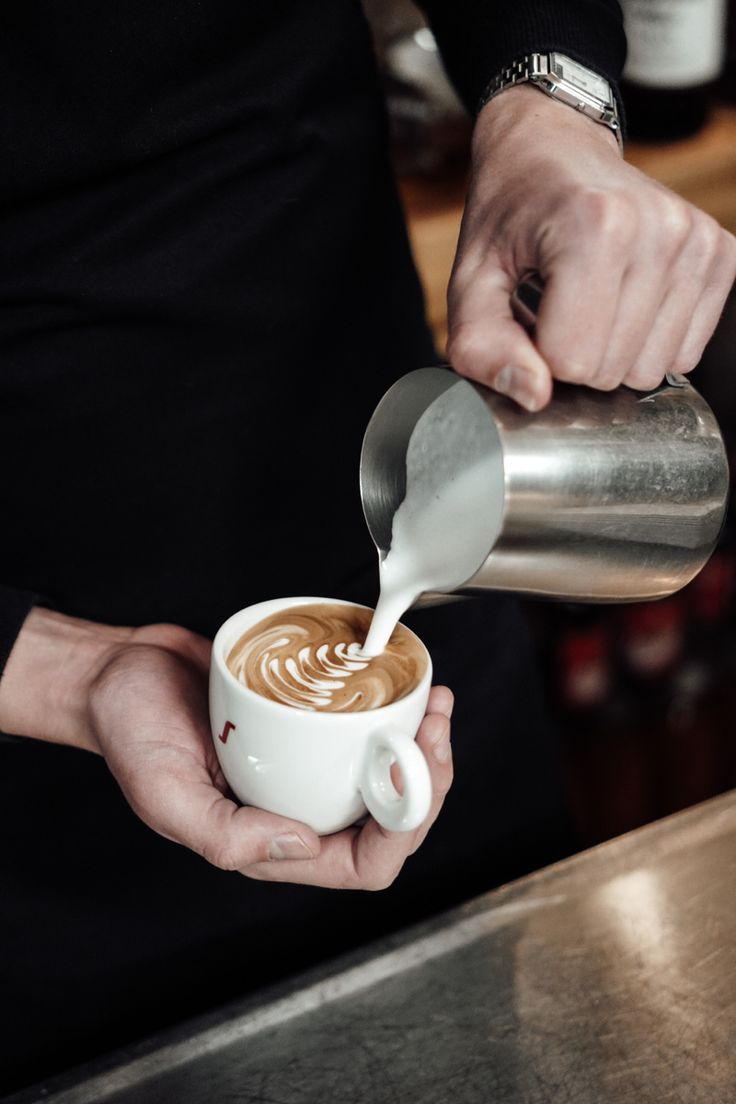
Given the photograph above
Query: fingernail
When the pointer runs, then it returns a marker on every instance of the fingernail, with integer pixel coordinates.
(441, 750)
(515, 383)
(290, 846)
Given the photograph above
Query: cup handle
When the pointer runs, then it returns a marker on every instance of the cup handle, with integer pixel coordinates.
(394, 811)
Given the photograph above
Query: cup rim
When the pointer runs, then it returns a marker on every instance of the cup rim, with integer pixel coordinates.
(289, 710)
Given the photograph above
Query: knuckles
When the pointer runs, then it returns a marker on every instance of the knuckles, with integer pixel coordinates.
(567, 370)
(618, 221)
(673, 221)
(379, 880)
(710, 234)
(473, 350)
(223, 853)
(606, 382)
(467, 350)
(220, 853)
(683, 364)
(647, 379)
(611, 218)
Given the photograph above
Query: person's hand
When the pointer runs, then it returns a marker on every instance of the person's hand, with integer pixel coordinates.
(635, 277)
(139, 697)
(147, 712)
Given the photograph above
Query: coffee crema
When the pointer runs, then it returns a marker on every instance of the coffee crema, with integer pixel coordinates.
(310, 657)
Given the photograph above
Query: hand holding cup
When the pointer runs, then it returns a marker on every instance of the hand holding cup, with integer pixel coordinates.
(146, 711)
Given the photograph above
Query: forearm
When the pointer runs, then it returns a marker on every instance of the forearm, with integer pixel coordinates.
(522, 123)
(44, 687)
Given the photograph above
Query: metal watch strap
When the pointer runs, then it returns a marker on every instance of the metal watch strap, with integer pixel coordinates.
(528, 70)
(516, 73)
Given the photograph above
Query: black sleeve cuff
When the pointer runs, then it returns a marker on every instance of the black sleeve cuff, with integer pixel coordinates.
(15, 605)
(479, 38)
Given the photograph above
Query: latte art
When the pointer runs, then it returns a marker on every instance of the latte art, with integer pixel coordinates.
(310, 657)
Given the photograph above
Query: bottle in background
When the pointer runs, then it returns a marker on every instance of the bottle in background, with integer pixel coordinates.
(675, 56)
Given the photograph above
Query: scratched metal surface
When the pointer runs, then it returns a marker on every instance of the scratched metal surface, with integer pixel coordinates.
(610, 977)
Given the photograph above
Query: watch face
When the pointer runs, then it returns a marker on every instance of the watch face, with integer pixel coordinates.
(566, 69)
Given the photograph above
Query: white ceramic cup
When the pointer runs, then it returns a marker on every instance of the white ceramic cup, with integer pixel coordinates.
(324, 769)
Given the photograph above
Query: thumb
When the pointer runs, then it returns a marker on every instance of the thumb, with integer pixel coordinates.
(487, 344)
(229, 836)
(247, 836)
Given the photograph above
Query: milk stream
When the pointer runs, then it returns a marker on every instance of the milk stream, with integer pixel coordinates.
(451, 515)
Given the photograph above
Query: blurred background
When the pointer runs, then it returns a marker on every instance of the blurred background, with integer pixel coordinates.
(643, 696)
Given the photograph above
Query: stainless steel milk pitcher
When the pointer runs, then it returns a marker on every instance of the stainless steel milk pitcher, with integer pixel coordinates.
(607, 496)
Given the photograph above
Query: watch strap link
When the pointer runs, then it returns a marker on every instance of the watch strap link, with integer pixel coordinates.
(517, 73)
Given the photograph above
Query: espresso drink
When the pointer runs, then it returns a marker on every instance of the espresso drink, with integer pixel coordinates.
(310, 657)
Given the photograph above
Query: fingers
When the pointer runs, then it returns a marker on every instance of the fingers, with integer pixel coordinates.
(371, 857)
(434, 740)
(441, 700)
(583, 273)
(486, 343)
(151, 723)
(699, 286)
(235, 838)
(634, 294)
(192, 812)
(712, 301)
(640, 301)
(635, 279)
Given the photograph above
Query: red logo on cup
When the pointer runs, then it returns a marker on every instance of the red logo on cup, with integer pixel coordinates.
(226, 731)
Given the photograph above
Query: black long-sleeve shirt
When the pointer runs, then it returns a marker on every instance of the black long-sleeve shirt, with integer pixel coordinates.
(205, 289)
(479, 38)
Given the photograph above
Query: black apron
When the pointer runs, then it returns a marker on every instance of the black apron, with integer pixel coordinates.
(206, 289)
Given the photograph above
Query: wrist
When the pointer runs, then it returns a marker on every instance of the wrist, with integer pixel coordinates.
(526, 111)
(45, 686)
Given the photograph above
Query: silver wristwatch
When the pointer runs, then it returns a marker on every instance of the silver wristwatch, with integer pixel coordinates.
(565, 80)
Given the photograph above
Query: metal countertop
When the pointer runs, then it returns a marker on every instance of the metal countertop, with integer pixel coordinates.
(610, 977)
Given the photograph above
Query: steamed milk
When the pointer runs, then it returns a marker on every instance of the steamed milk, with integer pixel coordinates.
(451, 515)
